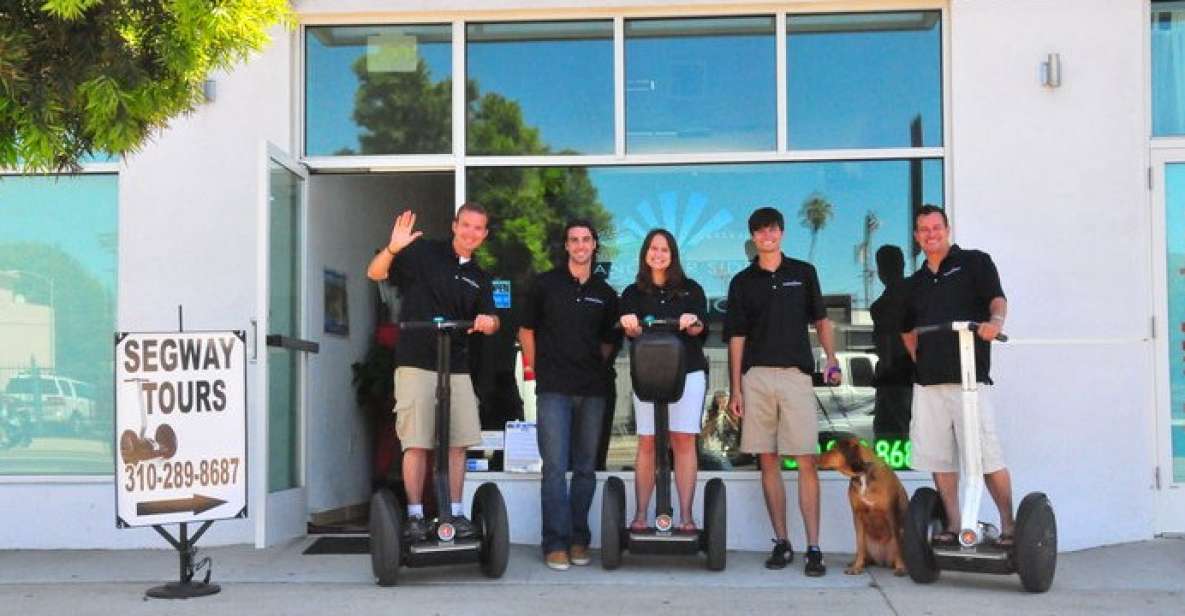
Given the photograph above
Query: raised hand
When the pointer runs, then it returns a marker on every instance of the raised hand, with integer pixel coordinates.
(403, 233)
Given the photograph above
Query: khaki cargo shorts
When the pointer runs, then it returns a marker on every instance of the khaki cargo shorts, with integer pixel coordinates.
(415, 409)
(780, 412)
(937, 427)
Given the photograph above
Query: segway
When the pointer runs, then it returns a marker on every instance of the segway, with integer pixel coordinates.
(1033, 553)
(134, 448)
(389, 550)
(658, 372)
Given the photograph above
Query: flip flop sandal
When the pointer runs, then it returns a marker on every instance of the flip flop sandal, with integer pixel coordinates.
(688, 527)
(1005, 540)
(638, 525)
(945, 539)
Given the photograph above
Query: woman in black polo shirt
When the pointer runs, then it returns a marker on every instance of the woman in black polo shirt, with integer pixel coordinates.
(664, 292)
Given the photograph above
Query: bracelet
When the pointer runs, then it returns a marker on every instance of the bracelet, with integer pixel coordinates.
(388, 249)
(996, 317)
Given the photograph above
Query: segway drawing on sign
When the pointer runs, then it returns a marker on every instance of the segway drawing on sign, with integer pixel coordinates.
(657, 370)
(1033, 553)
(134, 447)
(490, 547)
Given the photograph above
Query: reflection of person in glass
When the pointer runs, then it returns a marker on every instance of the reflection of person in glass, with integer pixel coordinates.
(771, 303)
(720, 435)
(436, 278)
(953, 285)
(567, 337)
(664, 292)
(894, 367)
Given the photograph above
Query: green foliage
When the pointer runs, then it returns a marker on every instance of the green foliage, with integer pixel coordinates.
(81, 78)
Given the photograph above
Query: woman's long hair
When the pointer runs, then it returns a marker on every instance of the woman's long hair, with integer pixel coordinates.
(675, 275)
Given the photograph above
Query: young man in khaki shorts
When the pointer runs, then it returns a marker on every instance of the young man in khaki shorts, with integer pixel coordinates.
(436, 279)
(770, 305)
(953, 285)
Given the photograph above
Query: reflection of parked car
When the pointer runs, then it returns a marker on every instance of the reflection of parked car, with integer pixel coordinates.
(63, 402)
(848, 406)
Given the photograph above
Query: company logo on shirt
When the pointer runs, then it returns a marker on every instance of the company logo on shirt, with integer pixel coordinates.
(472, 283)
(792, 283)
(952, 270)
(595, 300)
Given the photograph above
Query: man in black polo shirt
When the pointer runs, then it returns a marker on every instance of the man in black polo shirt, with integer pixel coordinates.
(953, 285)
(567, 336)
(436, 279)
(770, 305)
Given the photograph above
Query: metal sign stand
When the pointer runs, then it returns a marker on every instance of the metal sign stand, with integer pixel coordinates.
(187, 549)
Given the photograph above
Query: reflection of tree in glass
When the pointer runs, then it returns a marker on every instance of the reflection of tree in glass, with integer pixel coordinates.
(528, 206)
(402, 112)
(864, 254)
(815, 213)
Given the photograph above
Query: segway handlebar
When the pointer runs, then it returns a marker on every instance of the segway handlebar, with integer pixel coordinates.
(649, 322)
(437, 323)
(955, 326)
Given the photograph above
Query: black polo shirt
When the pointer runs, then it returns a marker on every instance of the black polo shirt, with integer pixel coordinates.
(434, 283)
(663, 303)
(571, 321)
(961, 290)
(772, 310)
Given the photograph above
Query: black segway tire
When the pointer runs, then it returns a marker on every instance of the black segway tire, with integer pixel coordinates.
(925, 509)
(716, 524)
(1035, 542)
(489, 514)
(612, 522)
(386, 538)
(166, 439)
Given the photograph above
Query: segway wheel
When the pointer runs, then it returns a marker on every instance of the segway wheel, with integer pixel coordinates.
(129, 447)
(925, 515)
(716, 523)
(1035, 542)
(489, 514)
(386, 537)
(166, 439)
(612, 522)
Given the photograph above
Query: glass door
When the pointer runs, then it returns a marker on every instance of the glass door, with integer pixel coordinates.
(1169, 270)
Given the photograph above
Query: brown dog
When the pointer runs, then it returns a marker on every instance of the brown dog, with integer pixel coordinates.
(879, 505)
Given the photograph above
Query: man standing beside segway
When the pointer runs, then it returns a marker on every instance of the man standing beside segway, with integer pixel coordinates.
(770, 305)
(953, 285)
(567, 336)
(436, 279)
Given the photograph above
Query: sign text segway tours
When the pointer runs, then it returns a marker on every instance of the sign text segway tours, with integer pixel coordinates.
(180, 430)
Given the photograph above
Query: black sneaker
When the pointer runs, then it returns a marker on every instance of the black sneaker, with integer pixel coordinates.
(782, 555)
(415, 530)
(814, 563)
(465, 528)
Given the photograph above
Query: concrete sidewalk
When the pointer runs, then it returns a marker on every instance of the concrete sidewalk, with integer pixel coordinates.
(1144, 578)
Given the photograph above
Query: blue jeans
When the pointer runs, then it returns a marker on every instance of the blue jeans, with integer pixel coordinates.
(569, 428)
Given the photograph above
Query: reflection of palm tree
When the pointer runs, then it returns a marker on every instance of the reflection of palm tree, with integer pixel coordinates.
(864, 254)
(815, 212)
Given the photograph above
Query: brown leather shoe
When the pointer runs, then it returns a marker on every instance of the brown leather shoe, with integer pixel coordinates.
(557, 560)
(579, 555)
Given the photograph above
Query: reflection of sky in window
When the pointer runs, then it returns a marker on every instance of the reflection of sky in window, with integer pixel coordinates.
(708, 207)
(700, 93)
(564, 88)
(1175, 261)
(332, 86)
(862, 89)
(76, 214)
(1168, 68)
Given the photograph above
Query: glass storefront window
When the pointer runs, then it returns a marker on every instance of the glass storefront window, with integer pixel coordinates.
(378, 90)
(700, 85)
(864, 80)
(1168, 67)
(540, 88)
(839, 215)
(1174, 191)
(57, 315)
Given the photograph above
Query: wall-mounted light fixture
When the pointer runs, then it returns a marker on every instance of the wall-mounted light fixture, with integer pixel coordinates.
(1051, 71)
(209, 90)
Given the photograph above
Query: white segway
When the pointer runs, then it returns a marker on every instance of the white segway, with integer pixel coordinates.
(1033, 554)
(490, 548)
